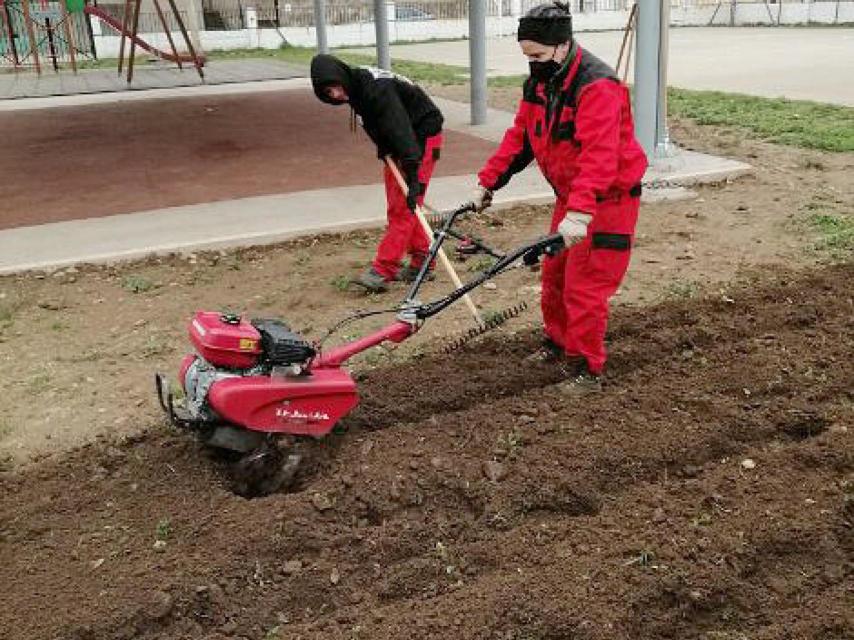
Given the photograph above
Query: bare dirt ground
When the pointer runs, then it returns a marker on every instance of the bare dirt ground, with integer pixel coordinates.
(706, 494)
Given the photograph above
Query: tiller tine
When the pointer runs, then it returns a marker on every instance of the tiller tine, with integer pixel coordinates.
(494, 321)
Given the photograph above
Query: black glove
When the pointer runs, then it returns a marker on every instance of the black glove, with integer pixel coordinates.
(412, 195)
(413, 185)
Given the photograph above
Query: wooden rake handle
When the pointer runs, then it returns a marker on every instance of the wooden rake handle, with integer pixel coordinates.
(443, 258)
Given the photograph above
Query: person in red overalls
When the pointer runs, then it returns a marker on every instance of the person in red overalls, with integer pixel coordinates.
(405, 124)
(575, 120)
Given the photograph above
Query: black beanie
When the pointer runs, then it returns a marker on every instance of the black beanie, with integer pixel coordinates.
(549, 23)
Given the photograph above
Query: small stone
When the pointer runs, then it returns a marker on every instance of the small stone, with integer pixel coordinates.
(696, 596)
(747, 463)
(436, 462)
(160, 545)
(321, 502)
(659, 516)
(691, 471)
(494, 470)
(335, 576)
(491, 286)
(291, 567)
(413, 464)
(96, 563)
(834, 573)
(160, 606)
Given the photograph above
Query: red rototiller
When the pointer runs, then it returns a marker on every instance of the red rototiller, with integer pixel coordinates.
(253, 387)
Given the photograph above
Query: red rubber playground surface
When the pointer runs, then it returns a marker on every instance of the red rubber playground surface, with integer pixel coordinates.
(83, 162)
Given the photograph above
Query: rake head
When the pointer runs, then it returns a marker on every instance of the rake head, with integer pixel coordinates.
(492, 322)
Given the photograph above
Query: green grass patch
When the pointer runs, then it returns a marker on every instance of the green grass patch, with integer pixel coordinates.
(682, 290)
(798, 123)
(506, 82)
(836, 234)
(137, 284)
(163, 529)
(422, 72)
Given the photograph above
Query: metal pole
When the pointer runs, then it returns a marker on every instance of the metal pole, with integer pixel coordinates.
(51, 44)
(125, 27)
(662, 134)
(133, 37)
(320, 26)
(381, 27)
(197, 60)
(12, 46)
(477, 60)
(650, 79)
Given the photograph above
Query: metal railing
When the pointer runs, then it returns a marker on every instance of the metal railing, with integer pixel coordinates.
(230, 15)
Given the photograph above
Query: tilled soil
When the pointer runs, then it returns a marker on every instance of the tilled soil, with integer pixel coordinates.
(707, 493)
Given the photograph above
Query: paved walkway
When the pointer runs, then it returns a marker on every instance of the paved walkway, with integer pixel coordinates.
(158, 76)
(796, 63)
(267, 219)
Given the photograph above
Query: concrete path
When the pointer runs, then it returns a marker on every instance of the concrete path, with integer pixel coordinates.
(796, 63)
(157, 76)
(268, 219)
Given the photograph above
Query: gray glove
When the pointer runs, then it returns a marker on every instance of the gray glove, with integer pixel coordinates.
(482, 198)
(573, 227)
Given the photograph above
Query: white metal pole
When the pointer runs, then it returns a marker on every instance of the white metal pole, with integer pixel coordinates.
(477, 60)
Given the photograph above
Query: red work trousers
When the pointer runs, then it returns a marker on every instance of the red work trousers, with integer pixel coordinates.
(579, 282)
(404, 234)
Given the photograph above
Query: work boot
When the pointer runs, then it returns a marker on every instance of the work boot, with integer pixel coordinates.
(581, 384)
(410, 272)
(372, 281)
(549, 351)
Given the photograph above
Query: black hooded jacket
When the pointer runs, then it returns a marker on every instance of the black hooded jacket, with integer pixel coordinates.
(396, 113)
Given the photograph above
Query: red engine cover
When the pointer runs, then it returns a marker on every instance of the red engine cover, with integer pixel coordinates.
(234, 345)
(306, 405)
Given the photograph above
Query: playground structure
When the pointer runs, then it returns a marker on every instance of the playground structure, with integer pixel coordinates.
(32, 33)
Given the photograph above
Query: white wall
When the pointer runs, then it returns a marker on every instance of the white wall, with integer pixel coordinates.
(757, 13)
(363, 33)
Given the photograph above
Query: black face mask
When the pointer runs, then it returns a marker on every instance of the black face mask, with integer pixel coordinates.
(543, 70)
